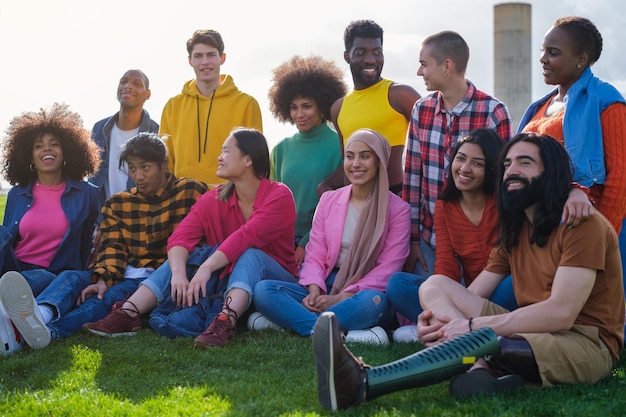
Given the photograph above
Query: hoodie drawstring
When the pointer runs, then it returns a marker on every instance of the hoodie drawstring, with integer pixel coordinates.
(206, 128)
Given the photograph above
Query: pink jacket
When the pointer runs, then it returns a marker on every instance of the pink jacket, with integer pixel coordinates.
(324, 245)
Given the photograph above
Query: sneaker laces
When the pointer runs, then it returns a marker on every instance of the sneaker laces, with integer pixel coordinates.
(134, 309)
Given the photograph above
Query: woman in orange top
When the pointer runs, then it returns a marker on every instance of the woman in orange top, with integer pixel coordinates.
(586, 115)
(466, 221)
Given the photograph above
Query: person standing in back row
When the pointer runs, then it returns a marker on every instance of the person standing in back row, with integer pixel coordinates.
(375, 102)
(112, 133)
(209, 107)
(439, 120)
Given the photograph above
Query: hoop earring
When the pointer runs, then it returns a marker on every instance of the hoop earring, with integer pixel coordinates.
(31, 166)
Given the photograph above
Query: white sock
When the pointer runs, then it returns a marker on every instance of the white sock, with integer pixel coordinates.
(46, 312)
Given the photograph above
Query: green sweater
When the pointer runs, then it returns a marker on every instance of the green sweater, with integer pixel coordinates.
(301, 162)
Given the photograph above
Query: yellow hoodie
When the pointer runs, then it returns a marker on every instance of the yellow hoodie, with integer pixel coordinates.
(192, 148)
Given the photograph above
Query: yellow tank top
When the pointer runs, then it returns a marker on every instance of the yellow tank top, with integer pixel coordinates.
(370, 108)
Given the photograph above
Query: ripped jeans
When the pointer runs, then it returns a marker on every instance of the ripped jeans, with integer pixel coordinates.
(281, 303)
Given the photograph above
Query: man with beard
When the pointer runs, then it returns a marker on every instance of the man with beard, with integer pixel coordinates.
(567, 282)
(375, 102)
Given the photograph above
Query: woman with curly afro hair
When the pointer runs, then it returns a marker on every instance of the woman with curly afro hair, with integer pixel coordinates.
(302, 91)
(51, 210)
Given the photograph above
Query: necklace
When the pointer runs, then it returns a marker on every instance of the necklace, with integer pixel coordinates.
(52, 188)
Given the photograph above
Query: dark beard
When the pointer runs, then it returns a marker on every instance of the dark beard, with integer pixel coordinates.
(517, 201)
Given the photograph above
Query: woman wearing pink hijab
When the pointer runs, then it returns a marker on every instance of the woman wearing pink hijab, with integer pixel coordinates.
(359, 237)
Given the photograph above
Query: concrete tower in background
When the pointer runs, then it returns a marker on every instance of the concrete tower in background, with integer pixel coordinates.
(512, 60)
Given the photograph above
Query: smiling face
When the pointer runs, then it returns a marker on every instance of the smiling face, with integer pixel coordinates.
(366, 61)
(431, 72)
(560, 61)
(148, 176)
(522, 184)
(468, 168)
(132, 90)
(47, 154)
(305, 113)
(360, 164)
(231, 163)
(206, 62)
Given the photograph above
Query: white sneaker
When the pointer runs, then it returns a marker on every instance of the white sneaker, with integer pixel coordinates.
(10, 339)
(257, 321)
(375, 336)
(406, 334)
(20, 305)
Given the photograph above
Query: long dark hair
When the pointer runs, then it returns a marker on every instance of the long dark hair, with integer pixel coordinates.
(557, 180)
(491, 144)
(252, 143)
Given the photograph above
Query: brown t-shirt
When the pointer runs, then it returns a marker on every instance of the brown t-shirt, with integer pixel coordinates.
(593, 244)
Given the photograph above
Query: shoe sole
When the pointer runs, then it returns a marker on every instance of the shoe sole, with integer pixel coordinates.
(324, 361)
(104, 334)
(17, 298)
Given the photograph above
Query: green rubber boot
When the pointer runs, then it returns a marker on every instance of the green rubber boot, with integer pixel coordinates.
(432, 365)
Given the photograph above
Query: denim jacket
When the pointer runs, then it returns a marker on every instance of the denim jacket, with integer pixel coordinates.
(80, 205)
(101, 135)
(585, 100)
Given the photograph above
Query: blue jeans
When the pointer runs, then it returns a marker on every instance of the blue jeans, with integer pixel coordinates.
(281, 302)
(403, 293)
(429, 256)
(38, 278)
(63, 292)
(251, 267)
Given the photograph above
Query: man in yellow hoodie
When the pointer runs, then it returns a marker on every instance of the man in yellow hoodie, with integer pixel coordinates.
(197, 121)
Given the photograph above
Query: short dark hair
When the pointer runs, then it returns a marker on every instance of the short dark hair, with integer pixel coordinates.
(143, 75)
(362, 29)
(449, 44)
(145, 145)
(206, 37)
(491, 144)
(584, 34)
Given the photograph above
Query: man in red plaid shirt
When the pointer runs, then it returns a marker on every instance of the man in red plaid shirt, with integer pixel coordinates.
(438, 120)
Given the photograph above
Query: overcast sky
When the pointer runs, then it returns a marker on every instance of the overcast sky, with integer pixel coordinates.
(75, 51)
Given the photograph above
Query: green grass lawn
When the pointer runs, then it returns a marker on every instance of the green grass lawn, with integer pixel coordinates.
(258, 374)
(3, 203)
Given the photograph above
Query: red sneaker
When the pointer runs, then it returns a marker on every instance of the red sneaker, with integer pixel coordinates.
(218, 333)
(117, 323)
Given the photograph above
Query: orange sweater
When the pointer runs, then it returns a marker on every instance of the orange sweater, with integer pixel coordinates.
(610, 197)
(461, 244)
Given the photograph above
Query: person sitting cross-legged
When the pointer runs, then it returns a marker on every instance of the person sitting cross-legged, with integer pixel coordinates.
(135, 227)
(568, 328)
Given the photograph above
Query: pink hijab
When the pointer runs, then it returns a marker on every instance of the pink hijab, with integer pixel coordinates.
(369, 230)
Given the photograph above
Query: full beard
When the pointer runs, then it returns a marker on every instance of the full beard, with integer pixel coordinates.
(516, 201)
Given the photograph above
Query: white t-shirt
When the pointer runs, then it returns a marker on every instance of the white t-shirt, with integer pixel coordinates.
(117, 179)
